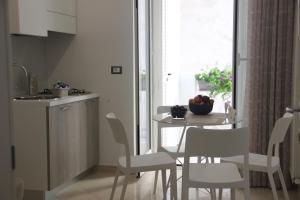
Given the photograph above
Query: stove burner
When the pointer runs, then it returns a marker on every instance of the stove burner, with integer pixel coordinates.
(75, 91)
(72, 91)
(46, 92)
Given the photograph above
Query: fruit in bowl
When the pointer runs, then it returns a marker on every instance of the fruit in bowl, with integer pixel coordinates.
(201, 105)
(178, 111)
(61, 85)
(61, 89)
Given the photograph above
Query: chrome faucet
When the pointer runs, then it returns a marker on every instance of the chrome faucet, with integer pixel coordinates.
(27, 75)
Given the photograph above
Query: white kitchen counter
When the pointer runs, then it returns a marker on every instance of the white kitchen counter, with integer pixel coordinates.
(57, 101)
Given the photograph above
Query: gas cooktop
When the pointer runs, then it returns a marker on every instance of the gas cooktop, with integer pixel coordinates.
(71, 92)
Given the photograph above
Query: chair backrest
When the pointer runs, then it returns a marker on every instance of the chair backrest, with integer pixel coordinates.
(119, 134)
(161, 110)
(217, 143)
(278, 133)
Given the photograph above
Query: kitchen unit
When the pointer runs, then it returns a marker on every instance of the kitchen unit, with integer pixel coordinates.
(37, 17)
(55, 139)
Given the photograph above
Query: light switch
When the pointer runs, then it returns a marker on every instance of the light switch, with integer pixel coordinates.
(116, 70)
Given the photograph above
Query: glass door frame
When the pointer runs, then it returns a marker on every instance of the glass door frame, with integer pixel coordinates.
(137, 77)
(234, 54)
(241, 21)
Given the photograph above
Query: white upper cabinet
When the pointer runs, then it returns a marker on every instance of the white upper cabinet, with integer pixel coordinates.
(61, 16)
(65, 7)
(37, 17)
(28, 17)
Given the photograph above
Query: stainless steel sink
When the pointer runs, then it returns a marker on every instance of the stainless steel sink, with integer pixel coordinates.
(36, 97)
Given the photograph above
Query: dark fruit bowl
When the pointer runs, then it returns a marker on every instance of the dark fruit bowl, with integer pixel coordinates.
(178, 111)
(201, 109)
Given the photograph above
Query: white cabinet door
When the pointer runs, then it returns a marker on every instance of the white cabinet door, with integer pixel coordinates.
(61, 16)
(57, 22)
(66, 7)
(28, 17)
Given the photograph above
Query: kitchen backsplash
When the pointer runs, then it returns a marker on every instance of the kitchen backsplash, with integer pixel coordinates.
(39, 55)
(29, 52)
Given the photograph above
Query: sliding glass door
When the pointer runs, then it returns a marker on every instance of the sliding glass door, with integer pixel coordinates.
(144, 131)
(241, 54)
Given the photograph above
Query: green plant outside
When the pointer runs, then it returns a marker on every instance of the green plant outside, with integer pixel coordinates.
(220, 80)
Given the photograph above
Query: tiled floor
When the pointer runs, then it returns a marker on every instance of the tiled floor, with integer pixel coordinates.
(97, 186)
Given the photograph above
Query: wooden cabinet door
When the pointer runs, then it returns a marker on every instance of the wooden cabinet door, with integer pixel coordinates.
(89, 132)
(64, 143)
(93, 127)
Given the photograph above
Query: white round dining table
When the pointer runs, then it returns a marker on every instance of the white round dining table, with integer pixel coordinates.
(190, 119)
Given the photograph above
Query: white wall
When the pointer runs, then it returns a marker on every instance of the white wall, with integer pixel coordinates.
(105, 37)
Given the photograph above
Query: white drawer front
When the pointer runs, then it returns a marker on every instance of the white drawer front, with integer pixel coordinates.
(67, 7)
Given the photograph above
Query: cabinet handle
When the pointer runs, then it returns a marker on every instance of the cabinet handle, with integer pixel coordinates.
(65, 108)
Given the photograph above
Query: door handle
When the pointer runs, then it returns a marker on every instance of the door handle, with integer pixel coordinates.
(240, 59)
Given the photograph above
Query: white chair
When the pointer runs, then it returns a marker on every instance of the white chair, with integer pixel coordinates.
(19, 184)
(171, 150)
(215, 143)
(269, 163)
(135, 164)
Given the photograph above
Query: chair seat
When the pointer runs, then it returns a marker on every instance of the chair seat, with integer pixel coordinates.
(172, 151)
(148, 162)
(215, 175)
(257, 162)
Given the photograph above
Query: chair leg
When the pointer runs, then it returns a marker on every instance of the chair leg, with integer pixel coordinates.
(285, 192)
(247, 193)
(197, 193)
(169, 181)
(114, 185)
(184, 190)
(213, 194)
(173, 183)
(124, 186)
(164, 183)
(220, 193)
(232, 193)
(155, 182)
(272, 183)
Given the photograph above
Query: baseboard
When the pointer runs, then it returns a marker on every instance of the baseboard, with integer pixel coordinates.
(34, 195)
(105, 167)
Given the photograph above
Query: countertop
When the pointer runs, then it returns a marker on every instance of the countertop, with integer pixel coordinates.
(57, 101)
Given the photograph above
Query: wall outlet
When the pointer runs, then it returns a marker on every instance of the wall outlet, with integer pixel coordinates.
(116, 70)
